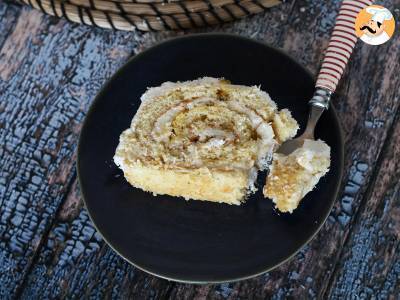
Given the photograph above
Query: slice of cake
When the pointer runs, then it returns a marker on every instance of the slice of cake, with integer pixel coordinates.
(292, 177)
(204, 139)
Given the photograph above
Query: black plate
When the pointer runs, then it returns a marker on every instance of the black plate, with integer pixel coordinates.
(198, 241)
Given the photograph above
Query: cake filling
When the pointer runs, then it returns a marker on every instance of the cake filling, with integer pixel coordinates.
(206, 132)
(292, 177)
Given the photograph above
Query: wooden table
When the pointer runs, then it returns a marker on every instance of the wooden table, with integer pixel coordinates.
(50, 71)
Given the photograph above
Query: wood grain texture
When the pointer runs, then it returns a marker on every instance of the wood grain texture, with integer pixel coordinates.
(50, 249)
(76, 263)
(370, 263)
(8, 17)
(367, 114)
(50, 72)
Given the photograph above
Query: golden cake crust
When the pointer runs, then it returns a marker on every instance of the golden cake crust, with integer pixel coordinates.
(199, 184)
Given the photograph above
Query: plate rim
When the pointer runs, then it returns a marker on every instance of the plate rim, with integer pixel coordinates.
(138, 56)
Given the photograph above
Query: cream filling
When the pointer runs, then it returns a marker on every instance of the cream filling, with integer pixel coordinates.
(266, 143)
(214, 143)
(252, 180)
(119, 161)
(305, 157)
(161, 132)
(264, 130)
(217, 134)
(218, 138)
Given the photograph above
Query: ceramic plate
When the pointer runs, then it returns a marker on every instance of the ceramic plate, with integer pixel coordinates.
(195, 241)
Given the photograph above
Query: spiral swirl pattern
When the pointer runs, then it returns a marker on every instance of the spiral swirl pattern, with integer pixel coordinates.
(204, 139)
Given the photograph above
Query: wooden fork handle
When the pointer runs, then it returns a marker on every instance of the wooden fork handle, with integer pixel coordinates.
(341, 45)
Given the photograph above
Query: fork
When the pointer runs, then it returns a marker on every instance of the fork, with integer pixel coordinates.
(340, 47)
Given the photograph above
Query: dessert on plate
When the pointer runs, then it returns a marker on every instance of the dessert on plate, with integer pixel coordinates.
(291, 177)
(204, 139)
(207, 139)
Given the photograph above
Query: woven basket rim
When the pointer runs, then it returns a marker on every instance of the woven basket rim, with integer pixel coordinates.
(153, 16)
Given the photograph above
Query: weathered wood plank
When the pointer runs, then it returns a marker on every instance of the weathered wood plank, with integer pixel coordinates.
(74, 262)
(366, 113)
(370, 263)
(8, 17)
(50, 71)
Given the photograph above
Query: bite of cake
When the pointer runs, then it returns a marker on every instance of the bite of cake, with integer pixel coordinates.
(292, 177)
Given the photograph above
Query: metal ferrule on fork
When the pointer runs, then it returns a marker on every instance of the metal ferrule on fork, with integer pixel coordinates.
(321, 98)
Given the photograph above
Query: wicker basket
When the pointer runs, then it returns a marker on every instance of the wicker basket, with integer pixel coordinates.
(151, 15)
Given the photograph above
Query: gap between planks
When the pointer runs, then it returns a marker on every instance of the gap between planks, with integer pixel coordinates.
(44, 237)
(364, 200)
